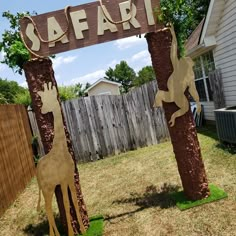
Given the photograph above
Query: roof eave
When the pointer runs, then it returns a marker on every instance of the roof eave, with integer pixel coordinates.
(208, 44)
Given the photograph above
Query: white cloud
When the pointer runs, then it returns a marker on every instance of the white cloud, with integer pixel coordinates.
(140, 60)
(24, 84)
(113, 63)
(143, 55)
(2, 54)
(58, 61)
(2, 66)
(90, 78)
(126, 43)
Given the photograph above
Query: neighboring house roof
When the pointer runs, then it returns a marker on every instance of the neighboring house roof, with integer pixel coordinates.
(102, 81)
(206, 30)
(194, 38)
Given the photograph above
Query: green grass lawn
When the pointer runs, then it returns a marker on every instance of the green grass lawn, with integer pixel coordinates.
(132, 192)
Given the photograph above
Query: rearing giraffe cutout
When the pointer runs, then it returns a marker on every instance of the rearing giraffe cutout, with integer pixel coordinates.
(181, 79)
(57, 167)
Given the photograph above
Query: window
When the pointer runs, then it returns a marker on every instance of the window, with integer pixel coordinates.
(203, 65)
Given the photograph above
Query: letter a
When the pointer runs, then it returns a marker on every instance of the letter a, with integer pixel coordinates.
(55, 31)
(103, 24)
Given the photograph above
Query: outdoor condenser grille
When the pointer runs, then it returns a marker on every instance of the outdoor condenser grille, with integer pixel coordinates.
(226, 124)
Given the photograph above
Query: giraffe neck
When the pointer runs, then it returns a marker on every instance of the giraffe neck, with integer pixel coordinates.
(59, 140)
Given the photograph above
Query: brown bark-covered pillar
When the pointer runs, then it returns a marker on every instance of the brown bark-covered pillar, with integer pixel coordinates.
(38, 72)
(183, 134)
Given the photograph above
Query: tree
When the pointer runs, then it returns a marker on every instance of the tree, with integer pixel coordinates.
(23, 98)
(9, 90)
(145, 75)
(72, 91)
(110, 74)
(67, 92)
(3, 100)
(122, 74)
(15, 52)
(185, 16)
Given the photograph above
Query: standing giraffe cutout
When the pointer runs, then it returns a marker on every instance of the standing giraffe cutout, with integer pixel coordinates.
(57, 167)
(181, 79)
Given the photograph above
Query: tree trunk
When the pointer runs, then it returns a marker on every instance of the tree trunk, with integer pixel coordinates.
(38, 72)
(183, 134)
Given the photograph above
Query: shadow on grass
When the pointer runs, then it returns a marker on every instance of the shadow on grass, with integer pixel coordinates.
(152, 197)
(210, 131)
(42, 229)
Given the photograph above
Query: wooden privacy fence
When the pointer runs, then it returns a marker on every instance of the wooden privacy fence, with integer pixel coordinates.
(16, 157)
(105, 125)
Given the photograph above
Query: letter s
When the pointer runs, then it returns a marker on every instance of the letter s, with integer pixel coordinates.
(33, 37)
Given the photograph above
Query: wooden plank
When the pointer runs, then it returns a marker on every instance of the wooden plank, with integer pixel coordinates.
(21, 155)
(149, 116)
(104, 124)
(7, 196)
(120, 123)
(16, 164)
(36, 133)
(215, 79)
(99, 127)
(138, 110)
(81, 141)
(69, 116)
(127, 98)
(87, 130)
(90, 15)
(92, 123)
(74, 127)
(12, 162)
(27, 157)
(108, 112)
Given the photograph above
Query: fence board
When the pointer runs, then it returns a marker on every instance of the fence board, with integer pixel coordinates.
(105, 125)
(36, 133)
(16, 157)
(215, 79)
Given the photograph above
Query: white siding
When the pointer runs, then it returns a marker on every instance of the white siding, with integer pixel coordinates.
(225, 51)
(208, 110)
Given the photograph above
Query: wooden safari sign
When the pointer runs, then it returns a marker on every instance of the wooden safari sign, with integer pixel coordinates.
(88, 24)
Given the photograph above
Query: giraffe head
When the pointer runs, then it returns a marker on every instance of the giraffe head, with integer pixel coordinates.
(48, 98)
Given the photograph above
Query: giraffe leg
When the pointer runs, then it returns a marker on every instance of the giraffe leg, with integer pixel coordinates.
(74, 199)
(51, 220)
(64, 188)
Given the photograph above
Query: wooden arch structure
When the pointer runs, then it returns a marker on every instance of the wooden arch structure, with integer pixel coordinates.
(93, 23)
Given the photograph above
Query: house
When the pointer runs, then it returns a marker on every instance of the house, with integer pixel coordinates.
(104, 87)
(212, 46)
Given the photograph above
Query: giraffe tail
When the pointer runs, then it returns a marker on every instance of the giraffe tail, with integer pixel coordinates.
(39, 200)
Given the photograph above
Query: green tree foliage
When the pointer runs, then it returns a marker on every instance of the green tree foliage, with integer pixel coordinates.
(3, 100)
(67, 92)
(185, 15)
(145, 75)
(23, 98)
(122, 74)
(9, 91)
(15, 52)
(72, 91)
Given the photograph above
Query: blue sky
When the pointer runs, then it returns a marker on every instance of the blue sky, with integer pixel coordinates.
(81, 65)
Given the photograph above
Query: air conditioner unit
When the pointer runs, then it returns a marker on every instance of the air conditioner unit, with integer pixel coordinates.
(226, 124)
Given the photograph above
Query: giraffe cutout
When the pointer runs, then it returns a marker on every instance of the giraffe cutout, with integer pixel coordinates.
(57, 167)
(181, 79)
